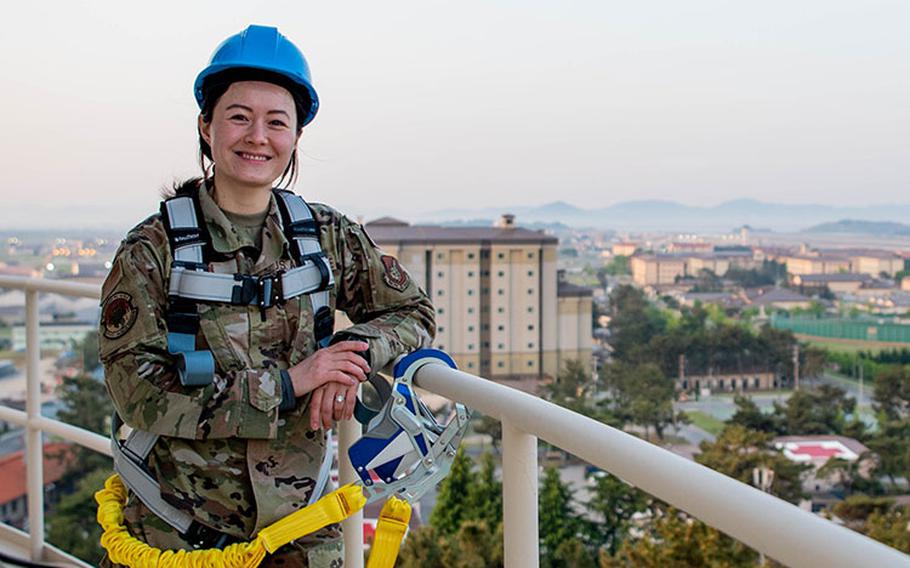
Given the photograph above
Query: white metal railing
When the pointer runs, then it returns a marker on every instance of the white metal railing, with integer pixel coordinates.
(780, 530)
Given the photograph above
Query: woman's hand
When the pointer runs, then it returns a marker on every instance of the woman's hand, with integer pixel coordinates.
(325, 404)
(338, 364)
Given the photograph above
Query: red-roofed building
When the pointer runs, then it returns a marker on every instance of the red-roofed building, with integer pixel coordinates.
(816, 451)
(13, 492)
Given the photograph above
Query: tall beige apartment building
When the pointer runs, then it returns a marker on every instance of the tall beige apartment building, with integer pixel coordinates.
(496, 295)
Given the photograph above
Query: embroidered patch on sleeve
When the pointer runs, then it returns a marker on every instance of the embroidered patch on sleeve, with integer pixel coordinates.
(118, 316)
(394, 275)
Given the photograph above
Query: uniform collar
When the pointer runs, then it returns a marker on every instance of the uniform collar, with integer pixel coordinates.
(227, 240)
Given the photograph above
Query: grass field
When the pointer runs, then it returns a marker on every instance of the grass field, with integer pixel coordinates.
(848, 346)
(705, 421)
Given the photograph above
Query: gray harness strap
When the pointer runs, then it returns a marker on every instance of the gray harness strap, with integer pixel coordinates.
(190, 281)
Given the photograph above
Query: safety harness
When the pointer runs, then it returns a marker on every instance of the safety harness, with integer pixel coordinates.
(403, 454)
(191, 283)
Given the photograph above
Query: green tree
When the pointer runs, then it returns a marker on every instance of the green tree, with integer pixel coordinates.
(737, 452)
(452, 507)
(89, 349)
(892, 446)
(820, 411)
(618, 266)
(890, 527)
(491, 427)
(750, 416)
(613, 503)
(424, 548)
(485, 495)
(892, 392)
(85, 403)
(671, 538)
(640, 394)
(475, 545)
(633, 322)
(557, 520)
(72, 526)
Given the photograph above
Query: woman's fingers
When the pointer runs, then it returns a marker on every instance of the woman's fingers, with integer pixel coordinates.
(328, 404)
(316, 408)
(350, 399)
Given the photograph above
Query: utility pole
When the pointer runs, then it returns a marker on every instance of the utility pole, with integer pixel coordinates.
(860, 401)
(796, 366)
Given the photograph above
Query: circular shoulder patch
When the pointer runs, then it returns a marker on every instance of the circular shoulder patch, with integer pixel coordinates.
(393, 274)
(118, 315)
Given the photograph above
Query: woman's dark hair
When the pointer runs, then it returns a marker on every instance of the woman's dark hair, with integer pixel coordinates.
(216, 85)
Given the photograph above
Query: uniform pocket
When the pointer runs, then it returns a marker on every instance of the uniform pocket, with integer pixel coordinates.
(265, 389)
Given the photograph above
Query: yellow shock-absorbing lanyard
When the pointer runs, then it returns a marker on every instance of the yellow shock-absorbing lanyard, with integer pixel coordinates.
(125, 549)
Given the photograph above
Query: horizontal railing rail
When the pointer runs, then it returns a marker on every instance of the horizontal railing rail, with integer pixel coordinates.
(782, 531)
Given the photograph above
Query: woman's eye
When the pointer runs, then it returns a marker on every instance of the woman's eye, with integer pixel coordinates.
(238, 117)
(277, 122)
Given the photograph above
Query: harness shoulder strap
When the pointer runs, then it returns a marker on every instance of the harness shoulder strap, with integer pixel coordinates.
(302, 232)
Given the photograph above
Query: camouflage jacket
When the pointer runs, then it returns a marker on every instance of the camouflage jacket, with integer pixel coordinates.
(226, 454)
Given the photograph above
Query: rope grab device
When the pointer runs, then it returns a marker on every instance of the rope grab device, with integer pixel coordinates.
(403, 454)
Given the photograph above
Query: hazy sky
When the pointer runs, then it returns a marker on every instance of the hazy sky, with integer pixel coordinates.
(429, 105)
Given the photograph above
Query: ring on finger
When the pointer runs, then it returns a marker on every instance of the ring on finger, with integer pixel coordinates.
(339, 399)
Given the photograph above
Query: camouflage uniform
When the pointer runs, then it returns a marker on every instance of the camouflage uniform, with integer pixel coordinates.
(226, 454)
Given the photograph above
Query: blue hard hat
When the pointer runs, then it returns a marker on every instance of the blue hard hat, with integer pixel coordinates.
(261, 48)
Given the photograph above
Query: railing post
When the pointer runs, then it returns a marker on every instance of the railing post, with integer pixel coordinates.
(519, 497)
(349, 431)
(33, 447)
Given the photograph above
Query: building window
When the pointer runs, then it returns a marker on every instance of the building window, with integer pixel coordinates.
(500, 328)
(500, 364)
(530, 346)
(439, 274)
(485, 291)
(470, 292)
(485, 273)
(439, 292)
(530, 328)
(440, 311)
(470, 255)
(440, 256)
(500, 346)
(470, 310)
(486, 327)
(530, 309)
(500, 291)
(530, 255)
(500, 273)
(441, 329)
(441, 347)
(470, 274)
(470, 364)
(500, 256)
(470, 347)
(530, 291)
(530, 273)
(484, 254)
(486, 344)
(470, 328)
(530, 363)
(500, 309)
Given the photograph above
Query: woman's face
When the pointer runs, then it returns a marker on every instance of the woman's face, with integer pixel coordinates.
(252, 134)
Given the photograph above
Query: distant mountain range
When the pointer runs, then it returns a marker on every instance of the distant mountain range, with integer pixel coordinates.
(673, 216)
(854, 226)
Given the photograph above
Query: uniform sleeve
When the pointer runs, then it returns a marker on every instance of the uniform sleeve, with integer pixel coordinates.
(387, 307)
(141, 376)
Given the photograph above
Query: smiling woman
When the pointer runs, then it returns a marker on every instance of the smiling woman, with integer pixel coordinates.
(217, 328)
